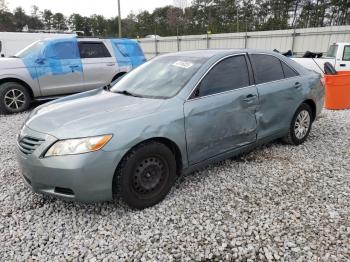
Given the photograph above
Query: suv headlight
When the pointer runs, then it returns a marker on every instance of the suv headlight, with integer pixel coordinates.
(78, 145)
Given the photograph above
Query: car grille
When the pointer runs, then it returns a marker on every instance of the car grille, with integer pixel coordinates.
(27, 144)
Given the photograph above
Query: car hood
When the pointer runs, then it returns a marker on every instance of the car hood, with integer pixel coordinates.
(90, 113)
(10, 63)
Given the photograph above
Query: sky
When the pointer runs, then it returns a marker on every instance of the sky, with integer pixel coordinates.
(107, 8)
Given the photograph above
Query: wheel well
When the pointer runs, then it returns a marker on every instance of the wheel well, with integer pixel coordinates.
(312, 105)
(6, 80)
(118, 75)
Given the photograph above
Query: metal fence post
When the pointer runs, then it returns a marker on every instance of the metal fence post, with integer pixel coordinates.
(156, 45)
(208, 44)
(178, 44)
(293, 40)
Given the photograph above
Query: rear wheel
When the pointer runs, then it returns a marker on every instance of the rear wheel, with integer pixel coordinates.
(14, 98)
(300, 126)
(146, 175)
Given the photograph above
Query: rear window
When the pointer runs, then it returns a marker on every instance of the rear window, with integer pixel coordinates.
(93, 50)
(267, 68)
(332, 51)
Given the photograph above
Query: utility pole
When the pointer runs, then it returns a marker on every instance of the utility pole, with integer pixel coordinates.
(237, 18)
(119, 20)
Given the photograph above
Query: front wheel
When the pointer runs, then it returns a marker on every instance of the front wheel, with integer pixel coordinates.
(146, 175)
(14, 98)
(300, 126)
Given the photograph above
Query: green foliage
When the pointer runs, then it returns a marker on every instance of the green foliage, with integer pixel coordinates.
(217, 16)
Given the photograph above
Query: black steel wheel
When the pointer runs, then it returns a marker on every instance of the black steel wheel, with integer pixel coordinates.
(146, 175)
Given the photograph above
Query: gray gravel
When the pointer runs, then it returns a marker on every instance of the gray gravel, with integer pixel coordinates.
(276, 203)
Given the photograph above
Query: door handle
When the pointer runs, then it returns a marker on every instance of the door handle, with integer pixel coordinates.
(110, 64)
(249, 97)
(342, 65)
(73, 67)
(297, 85)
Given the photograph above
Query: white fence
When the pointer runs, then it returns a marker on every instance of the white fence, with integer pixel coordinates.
(299, 41)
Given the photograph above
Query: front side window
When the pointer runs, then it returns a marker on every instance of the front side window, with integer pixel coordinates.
(62, 50)
(267, 68)
(346, 55)
(93, 50)
(229, 74)
(161, 77)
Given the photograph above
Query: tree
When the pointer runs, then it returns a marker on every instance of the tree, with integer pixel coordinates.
(3, 6)
(34, 21)
(47, 18)
(59, 21)
(20, 19)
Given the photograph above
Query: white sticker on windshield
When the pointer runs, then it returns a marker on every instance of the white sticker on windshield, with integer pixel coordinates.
(183, 64)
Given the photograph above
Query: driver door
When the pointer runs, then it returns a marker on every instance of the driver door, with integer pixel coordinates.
(220, 114)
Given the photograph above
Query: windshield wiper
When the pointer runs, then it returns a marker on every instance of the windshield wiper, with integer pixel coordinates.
(127, 93)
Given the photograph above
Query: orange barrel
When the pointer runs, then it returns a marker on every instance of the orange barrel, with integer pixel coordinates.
(338, 90)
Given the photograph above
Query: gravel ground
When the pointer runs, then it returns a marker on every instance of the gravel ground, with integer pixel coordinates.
(276, 203)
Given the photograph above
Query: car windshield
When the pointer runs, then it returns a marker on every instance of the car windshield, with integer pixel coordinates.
(31, 49)
(332, 51)
(162, 77)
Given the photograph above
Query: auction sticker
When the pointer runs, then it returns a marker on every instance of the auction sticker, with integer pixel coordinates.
(183, 64)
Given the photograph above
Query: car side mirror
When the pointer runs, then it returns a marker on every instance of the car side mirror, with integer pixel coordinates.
(196, 92)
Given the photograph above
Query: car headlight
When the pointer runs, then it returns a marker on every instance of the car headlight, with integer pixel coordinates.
(78, 145)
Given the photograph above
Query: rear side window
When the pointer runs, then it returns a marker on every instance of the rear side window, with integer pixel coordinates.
(267, 68)
(129, 49)
(229, 74)
(346, 55)
(288, 72)
(93, 50)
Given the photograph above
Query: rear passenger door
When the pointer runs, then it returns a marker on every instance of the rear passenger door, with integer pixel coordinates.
(280, 93)
(220, 113)
(99, 66)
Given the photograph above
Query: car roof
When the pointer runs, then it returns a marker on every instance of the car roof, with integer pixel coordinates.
(208, 53)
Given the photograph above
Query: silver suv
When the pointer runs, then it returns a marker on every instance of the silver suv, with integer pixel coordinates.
(55, 67)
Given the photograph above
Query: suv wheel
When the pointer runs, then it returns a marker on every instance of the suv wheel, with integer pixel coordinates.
(14, 98)
(300, 127)
(146, 175)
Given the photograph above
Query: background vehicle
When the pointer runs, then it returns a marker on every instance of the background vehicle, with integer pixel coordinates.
(171, 115)
(13, 42)
(56, 67)
(338, 55)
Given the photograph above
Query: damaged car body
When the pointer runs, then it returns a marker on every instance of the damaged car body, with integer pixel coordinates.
(171, 115)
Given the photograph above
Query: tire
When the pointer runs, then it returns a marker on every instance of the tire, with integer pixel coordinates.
(14, 98)
(146, 175)
(297, 136)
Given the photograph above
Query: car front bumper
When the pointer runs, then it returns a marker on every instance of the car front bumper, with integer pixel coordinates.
(84, 177)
